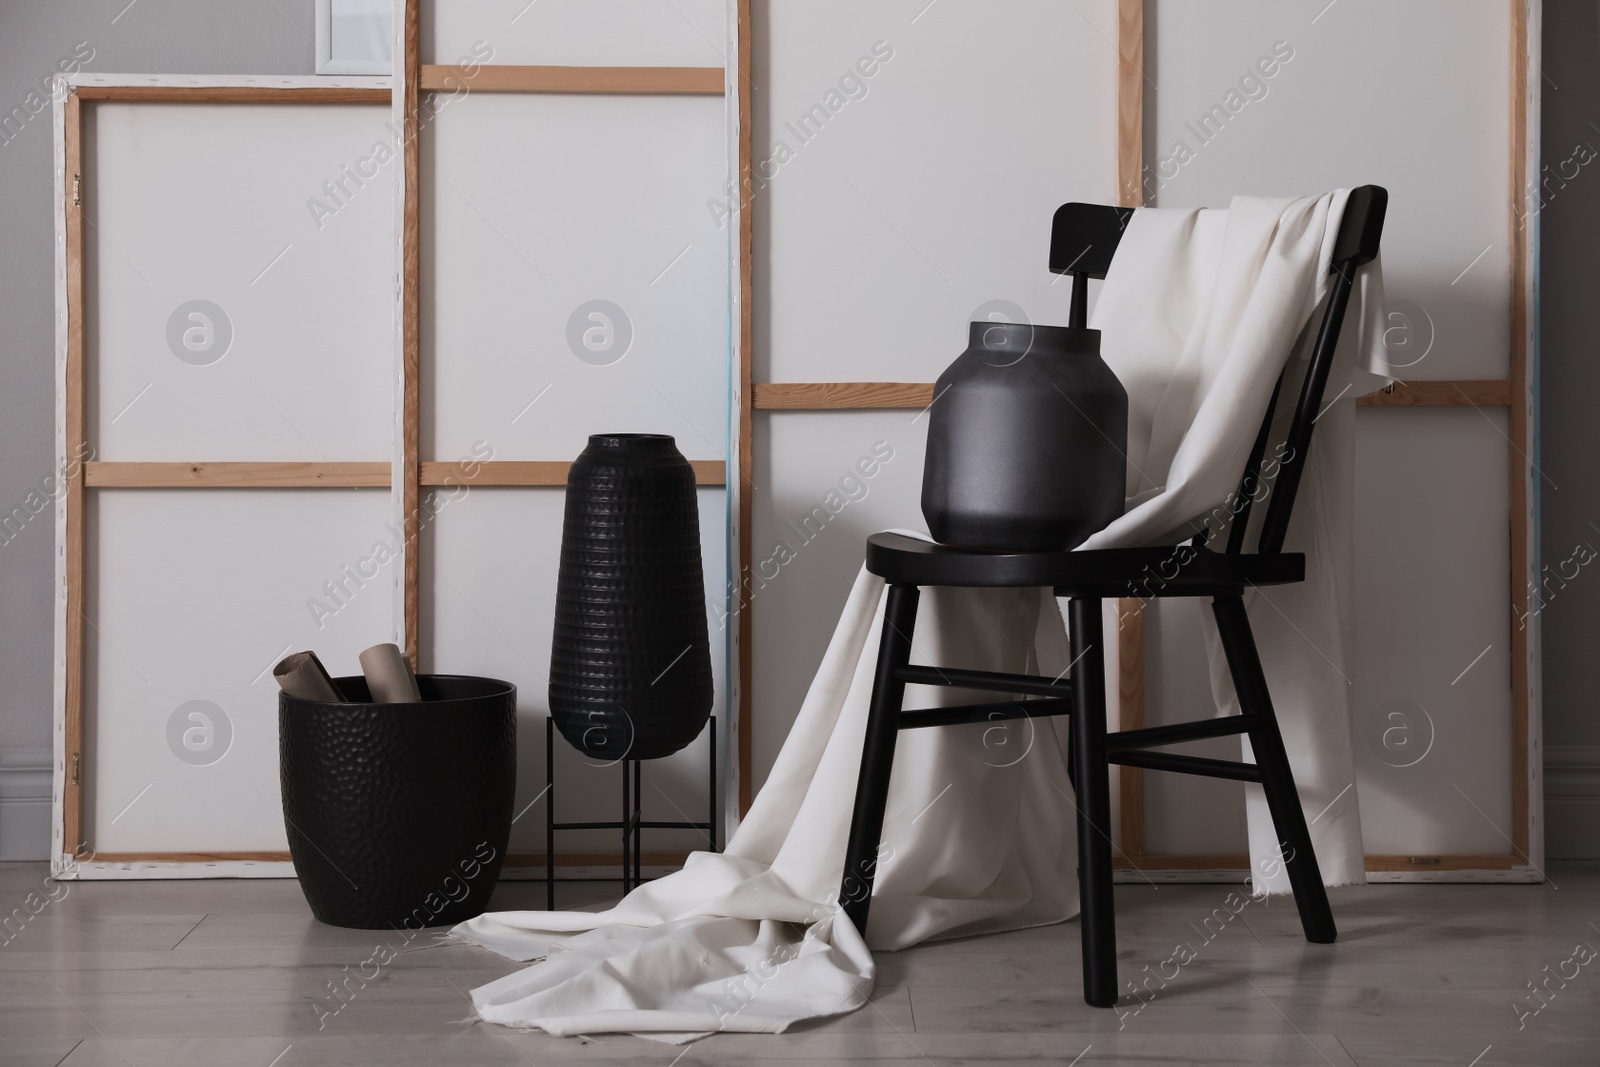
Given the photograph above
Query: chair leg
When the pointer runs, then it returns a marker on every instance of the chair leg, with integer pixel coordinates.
(1277, 779)
(1092, 782)
(877, 755)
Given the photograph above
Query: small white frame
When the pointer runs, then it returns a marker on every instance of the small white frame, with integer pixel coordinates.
(328, 63)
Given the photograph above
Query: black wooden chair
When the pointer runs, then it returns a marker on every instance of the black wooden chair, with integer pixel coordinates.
(1083, 241)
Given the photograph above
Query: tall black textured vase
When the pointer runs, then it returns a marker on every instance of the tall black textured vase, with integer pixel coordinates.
(630, 664)
(1027, 441)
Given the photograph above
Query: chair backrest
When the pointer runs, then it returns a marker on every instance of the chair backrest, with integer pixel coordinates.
(1083, 240)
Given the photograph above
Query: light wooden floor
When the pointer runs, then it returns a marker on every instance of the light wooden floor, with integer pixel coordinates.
(225, 973)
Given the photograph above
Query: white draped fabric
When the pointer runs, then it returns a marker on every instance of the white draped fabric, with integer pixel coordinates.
(1230, 292)
(1198, 313)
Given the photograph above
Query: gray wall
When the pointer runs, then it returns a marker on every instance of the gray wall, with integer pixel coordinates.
(1569, 371)
(154, 36)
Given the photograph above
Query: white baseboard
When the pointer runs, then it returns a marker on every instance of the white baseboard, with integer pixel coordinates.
(139, 871)
(1572, 802)
(24, 804)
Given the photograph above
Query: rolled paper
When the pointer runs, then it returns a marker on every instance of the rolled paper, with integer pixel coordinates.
(303, 677)
(389, 677)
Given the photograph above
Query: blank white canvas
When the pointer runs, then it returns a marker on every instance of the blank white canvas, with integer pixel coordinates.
(278, 218)
(803, 568)
(929, 196)
(1433, 630)
(1414, 97)
(194, 595)
(602, 33)
(879, 234)
(489, 568)
(217, 202)
(535, 206)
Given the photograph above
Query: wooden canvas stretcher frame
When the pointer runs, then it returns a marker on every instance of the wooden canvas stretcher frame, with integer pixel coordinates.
(1515, 392)
(746, 396)
(72, 763)
(409, 471)
(406, 471)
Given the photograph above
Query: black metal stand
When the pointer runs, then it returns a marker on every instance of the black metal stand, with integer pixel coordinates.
(632, 823)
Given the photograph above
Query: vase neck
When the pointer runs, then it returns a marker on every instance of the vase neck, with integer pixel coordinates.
(634, 443)
(1020, 338)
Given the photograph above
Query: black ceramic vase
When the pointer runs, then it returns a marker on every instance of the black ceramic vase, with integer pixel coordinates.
(1027, 440)
(630, 663)
(398, 815)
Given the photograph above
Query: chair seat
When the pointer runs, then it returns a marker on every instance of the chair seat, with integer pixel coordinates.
(1161, 570)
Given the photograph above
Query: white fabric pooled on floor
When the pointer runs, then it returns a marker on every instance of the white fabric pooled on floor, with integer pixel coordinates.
(1198, 313)
(977, 837)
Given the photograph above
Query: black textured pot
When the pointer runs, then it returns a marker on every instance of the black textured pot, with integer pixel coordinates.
(1027, 441)
(630, 663)
(398, 814)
